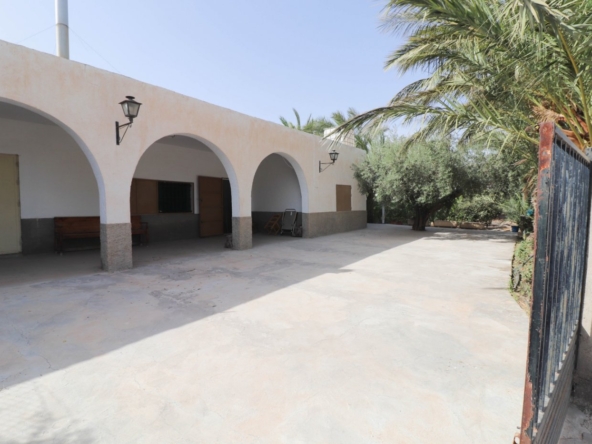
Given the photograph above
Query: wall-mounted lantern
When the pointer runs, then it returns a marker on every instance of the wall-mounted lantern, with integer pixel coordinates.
(131, 108)
(333, 156)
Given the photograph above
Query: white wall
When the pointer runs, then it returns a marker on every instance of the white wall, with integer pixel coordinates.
(275, 186)
(56, 87)
(179, 164)
(55, 176)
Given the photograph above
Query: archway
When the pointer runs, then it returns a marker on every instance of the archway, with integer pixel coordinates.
(57, 176)
(279, 184)
(184, 188)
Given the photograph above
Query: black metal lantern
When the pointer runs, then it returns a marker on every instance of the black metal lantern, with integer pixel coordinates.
(131, 108)
(333, 155)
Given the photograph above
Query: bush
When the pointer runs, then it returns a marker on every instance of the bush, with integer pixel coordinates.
(522, 270)
(480, 208)
(517, 209)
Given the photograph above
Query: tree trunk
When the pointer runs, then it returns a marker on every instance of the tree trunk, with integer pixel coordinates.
(420, 220)
(370, 208)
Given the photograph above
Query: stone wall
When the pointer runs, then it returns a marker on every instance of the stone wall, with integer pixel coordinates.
(173, 226)
(322, 224)
(260, 219)
(38, 234)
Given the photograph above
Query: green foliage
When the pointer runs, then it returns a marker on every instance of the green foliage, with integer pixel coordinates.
(515, 207)
(314, 126)
(395, 213)
(427, 178)
(522, 272)
(501, 172)
(318, 125)
(363, 139)
(481, 208)
(496, 68)
(500, 176)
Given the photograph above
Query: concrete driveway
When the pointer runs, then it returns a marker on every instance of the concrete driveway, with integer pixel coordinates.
(375, 336)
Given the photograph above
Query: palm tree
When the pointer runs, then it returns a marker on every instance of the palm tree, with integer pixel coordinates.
(496, 69)
(363, 139)
(314, 126)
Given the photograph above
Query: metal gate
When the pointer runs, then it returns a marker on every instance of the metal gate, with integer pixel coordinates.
(561, 238)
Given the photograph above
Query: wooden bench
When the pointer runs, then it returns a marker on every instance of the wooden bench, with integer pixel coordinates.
(141, 228)
(88, 228)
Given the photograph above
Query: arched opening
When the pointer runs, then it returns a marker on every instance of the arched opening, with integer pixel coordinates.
(183, 188)
(278, 185)
(45, 174)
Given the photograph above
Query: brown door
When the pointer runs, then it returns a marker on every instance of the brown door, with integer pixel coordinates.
(144, 197)
(10, 210)
(211, 206)
(343, 197)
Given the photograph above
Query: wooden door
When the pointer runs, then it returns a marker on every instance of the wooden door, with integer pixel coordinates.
(211, 206)
(144, 197)
(343, 197)
(10, 210)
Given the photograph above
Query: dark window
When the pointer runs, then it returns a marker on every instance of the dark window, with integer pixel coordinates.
(174, 197)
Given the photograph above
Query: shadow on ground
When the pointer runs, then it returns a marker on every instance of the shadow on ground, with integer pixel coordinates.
(357, 325)
(59, 310)
(51, 323)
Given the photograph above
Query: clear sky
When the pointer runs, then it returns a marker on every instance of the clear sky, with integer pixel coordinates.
(259, 57)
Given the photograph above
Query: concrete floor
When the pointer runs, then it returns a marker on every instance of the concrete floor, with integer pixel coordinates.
(375, 336)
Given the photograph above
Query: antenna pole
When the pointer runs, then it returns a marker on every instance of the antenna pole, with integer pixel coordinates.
(62, 31)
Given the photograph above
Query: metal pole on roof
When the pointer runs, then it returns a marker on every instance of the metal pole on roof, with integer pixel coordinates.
(62, 32)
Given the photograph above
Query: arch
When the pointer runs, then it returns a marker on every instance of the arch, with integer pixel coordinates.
(302, 182)
(79, 141)
(278, 183)
(203, 187)
(59, 176)
(230, 170)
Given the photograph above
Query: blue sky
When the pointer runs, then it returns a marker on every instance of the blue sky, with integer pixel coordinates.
(259, 57)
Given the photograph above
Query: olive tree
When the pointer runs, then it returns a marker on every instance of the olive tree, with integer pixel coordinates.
(424, 178)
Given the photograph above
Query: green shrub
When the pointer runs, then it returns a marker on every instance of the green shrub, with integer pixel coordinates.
(481, 208)
(515, 207)
(522, 271)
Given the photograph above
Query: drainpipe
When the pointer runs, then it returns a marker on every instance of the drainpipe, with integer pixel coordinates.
(62, 37)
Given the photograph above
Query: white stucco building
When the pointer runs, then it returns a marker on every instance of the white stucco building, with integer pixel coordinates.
(59, 158)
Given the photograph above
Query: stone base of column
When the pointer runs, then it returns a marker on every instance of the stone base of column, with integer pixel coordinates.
(242, 233)
(323, 224)
(116, 247)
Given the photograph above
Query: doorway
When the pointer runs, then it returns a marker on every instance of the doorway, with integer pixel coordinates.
(215, 206)
(10, 215)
